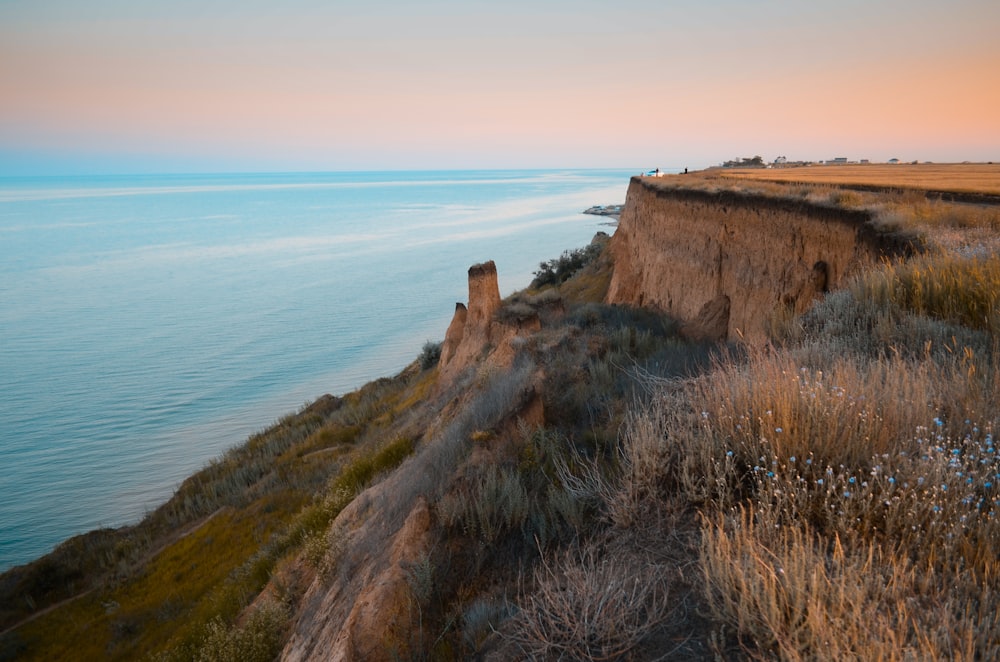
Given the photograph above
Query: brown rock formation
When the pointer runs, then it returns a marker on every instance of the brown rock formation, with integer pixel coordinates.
(484, 294)
(722, 262)
(453, 336)
(475, 334)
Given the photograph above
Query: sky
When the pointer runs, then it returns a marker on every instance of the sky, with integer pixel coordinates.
(117, 86)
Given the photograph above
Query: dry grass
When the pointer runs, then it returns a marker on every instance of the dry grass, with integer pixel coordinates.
(866, 481)
(956, 177)
(802, 597)
(961, 290)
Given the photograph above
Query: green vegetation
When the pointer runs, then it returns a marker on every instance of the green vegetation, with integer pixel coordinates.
(429, 355)
(256, 640)
(526, 498)
(566, 265)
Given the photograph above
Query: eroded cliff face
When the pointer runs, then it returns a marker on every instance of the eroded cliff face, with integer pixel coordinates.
(724, 263)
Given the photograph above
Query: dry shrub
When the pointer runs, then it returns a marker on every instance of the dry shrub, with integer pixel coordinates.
(588, 605)
(937, 503)
(650, 457)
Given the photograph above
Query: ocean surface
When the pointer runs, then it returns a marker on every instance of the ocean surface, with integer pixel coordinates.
(149, 323)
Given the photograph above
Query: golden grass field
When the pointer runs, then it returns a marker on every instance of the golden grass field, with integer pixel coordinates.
(957, 177)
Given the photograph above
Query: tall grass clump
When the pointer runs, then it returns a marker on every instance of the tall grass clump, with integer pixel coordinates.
(703, 438)
(796, 596)
(961, 290)
(529, 498)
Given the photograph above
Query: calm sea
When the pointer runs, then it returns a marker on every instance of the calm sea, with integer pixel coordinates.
(148, 323)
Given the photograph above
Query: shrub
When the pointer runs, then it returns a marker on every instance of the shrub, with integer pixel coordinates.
(498, 503)
(430, 355)
(480, 619)
(256, 640)
(588, 605)
(516, 312)
(530, 498)
(562, 268)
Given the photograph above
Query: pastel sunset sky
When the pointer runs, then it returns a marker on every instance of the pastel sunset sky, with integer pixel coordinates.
(109, 86)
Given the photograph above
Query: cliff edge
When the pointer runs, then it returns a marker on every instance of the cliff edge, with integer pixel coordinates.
(725, 262)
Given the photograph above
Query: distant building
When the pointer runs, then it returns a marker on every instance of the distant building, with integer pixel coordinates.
(865, 161)
(840, 160)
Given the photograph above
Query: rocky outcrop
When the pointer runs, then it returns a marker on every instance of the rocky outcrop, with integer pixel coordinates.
(476, 335)
(724, 262)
